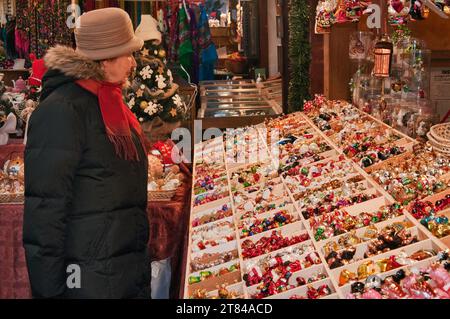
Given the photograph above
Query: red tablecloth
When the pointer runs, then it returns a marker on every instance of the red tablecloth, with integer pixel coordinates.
(168, 233)
(168, 229)
(13, 271)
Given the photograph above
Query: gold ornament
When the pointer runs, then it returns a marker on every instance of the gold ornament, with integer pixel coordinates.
(345, 277)
(143, 105)
(162, 53)
(144, 52)
(139, 93)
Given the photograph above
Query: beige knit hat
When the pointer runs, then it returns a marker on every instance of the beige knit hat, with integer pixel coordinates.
(148, 29)
(106, 33)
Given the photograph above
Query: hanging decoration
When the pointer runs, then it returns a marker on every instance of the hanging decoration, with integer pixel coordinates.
(208, 52)
(329, 12)
(185, 50)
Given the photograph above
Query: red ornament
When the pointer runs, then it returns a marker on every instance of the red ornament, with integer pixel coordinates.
(165, 150)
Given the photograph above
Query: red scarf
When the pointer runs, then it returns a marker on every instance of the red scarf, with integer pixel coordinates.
(118, 118)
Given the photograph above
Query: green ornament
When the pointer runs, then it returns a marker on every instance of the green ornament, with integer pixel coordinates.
(406, 181)
(205, 274)
(194, 280)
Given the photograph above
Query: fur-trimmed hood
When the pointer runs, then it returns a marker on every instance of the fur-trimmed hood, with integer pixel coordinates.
(72, 64)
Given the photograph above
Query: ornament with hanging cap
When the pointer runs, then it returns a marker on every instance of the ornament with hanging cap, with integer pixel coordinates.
(373, 281)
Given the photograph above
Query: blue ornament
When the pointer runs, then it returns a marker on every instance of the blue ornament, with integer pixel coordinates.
(442, 220)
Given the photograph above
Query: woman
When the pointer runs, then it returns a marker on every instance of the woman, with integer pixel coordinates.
(86, 170)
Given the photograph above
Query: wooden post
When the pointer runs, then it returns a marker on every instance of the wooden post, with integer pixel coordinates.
(263, 35)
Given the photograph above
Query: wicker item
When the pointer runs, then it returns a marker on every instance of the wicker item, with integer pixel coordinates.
(161, 196)
(441, 133)
(12, 198)
(438, 146)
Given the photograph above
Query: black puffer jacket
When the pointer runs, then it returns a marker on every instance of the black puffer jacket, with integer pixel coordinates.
(83, 204)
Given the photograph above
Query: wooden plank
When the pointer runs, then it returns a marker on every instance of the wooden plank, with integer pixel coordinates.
(263, 35)
(337, 65)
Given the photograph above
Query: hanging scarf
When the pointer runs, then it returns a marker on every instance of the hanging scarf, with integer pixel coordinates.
(208, 52)
(117, 117)
(195, 48)
(174, 39)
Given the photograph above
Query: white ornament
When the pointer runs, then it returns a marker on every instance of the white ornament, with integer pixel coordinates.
(146, 72)
(131, 103)
(8, 128)
(249, 206)
(177, 100)
(169, 74)
(161, 82)
(152, 108)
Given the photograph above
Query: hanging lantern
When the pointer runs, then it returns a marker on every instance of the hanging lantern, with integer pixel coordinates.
(383, 58)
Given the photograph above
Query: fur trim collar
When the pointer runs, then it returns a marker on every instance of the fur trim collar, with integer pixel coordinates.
(73, 64)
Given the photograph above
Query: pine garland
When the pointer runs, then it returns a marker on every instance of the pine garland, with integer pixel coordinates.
(299, 54)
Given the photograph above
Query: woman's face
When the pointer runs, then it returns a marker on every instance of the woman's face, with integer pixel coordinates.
(118, 70)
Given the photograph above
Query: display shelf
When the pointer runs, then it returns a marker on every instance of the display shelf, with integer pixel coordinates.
(205, 217)
(302, 291)
(426, 244)
(362, 248)
(263, 207)
(236, 289)
(260, 219)
(272, 192)
(212, 283)
(361, 231)
(307, 247)
(305, 273)
(290, 230)
(444, 242)
(346, 289)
